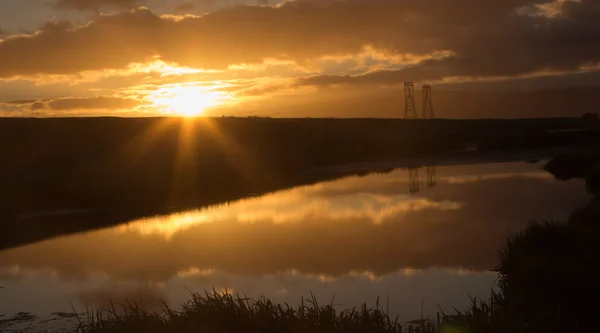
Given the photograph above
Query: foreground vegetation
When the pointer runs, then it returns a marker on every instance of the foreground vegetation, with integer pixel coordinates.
(223, 312)
(547, 272)
(548, 282)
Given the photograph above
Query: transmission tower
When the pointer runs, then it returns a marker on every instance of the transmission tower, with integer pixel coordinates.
(431, 179)
(413, 180)
(410, 109)
(427, 104)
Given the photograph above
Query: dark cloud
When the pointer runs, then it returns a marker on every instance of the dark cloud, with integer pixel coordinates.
(427, 70)
(91, 103)
(184, 7)
(202, 5)
(21, 102)
(96, 4)
(484, 40)
(38, 106)
(261, 90)
(73, 103)
(3, 33)
(499, 43)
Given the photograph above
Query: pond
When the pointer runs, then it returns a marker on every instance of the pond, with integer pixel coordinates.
(419, 239)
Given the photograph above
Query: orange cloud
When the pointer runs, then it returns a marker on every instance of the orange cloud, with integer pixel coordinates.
(78, 103)
(293, 47)
(302, 30)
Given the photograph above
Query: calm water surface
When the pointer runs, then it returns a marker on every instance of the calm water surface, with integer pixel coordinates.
(358, 237)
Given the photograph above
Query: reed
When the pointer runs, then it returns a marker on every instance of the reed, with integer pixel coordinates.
(224, 312)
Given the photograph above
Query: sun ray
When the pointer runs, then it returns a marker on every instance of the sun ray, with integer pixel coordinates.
(187, 100)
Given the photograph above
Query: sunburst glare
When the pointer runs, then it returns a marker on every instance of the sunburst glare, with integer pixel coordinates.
(187, 101)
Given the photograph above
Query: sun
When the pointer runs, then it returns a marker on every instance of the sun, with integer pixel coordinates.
(187, 101)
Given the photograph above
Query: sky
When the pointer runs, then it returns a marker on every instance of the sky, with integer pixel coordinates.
(302, 58)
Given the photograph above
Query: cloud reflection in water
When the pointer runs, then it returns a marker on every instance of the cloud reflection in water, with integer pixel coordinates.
(361, 236)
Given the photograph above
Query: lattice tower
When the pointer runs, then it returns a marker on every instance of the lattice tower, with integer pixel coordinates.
(410, 109)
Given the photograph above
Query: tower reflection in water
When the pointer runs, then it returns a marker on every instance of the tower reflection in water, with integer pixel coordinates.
(413, 178)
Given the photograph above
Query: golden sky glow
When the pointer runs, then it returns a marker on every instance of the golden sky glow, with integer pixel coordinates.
(187, 100)
(345, 58)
